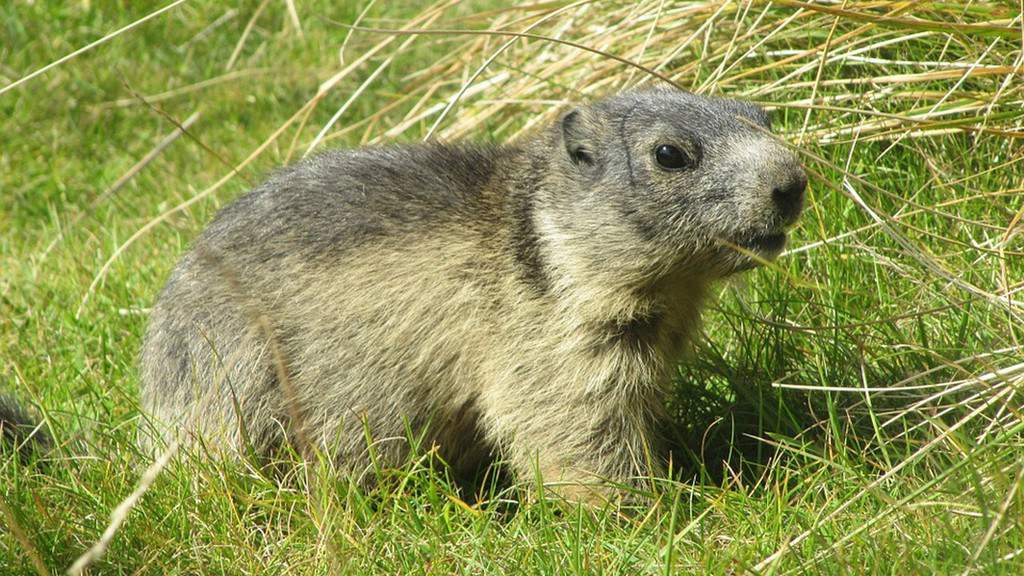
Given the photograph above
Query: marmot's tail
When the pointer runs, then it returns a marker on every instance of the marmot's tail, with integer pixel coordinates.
(19, 431)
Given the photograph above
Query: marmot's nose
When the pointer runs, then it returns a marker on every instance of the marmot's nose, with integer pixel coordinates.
(789, 196)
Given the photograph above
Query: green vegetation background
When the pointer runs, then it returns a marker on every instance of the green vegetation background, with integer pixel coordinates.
(853, 409)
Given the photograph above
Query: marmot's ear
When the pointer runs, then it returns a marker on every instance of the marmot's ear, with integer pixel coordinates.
(577, 138)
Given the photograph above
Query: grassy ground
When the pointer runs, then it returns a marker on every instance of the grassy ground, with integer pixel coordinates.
(854, 409)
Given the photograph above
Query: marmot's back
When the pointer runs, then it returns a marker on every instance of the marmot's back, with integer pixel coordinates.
(340, 199)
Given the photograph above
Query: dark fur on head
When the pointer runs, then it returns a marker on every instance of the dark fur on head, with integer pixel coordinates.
(739, 187)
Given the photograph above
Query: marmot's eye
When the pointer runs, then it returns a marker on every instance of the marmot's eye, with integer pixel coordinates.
(671, 158)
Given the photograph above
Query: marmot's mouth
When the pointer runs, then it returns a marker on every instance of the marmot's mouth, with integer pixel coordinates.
(767, 243)
(756, 249)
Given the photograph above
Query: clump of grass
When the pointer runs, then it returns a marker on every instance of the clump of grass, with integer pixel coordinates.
(853, 408)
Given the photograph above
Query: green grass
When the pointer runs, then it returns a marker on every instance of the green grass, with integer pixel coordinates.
(785, 464)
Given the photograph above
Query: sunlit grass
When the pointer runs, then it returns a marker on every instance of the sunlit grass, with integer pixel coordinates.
(852, 409)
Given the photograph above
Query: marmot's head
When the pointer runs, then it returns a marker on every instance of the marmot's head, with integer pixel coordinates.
(674, 180)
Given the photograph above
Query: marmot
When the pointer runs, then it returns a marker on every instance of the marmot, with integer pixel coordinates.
(528, 300)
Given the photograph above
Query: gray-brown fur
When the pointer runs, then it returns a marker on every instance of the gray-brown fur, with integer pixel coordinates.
(529, 299)
(20, 430)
